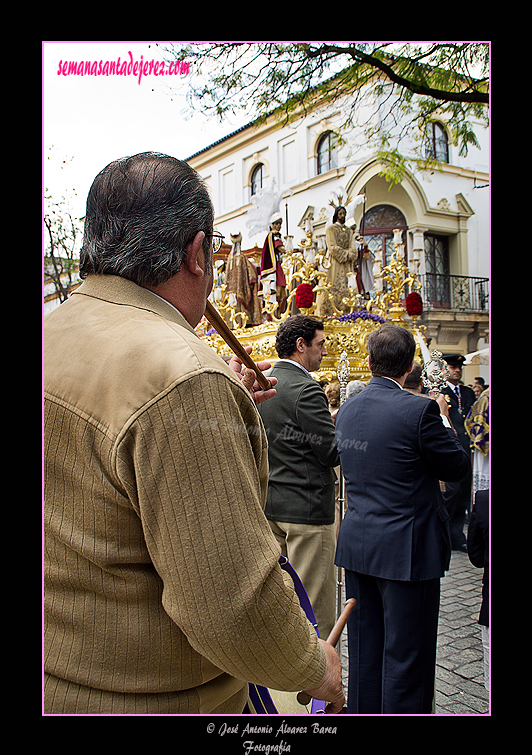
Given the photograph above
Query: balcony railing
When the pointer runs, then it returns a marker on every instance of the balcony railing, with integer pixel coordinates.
(458, 292)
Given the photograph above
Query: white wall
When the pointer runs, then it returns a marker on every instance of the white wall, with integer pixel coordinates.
(289, 156)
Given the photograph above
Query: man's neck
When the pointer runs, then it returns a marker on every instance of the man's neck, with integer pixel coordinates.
(297, 362)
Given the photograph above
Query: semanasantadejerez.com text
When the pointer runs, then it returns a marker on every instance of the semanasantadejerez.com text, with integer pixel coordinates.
(118, 67)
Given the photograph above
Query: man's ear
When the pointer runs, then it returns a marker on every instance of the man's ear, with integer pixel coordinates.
(194, 255)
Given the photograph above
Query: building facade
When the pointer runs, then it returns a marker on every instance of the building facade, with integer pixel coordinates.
(443, 212)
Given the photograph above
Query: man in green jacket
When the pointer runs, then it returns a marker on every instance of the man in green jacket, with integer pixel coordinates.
(302, 455)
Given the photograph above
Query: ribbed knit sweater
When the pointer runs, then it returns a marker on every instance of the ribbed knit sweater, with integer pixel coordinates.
(163, 592)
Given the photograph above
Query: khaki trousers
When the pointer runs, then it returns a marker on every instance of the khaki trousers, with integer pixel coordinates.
(310, 549)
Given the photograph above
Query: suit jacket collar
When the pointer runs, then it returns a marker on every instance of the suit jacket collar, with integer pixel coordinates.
(384, 382)
(118, 290)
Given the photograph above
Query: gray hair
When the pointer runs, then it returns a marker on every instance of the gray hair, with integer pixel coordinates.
(142, 212)
(354, 387)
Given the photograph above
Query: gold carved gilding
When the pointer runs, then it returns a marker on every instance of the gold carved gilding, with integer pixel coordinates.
(308, 264)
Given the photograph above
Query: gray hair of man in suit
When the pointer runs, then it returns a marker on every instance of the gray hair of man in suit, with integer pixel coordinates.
(391, 351)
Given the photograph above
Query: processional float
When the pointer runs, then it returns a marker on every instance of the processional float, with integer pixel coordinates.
(395, 299)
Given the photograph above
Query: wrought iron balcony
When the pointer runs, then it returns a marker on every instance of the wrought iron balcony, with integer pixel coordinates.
(457, 292)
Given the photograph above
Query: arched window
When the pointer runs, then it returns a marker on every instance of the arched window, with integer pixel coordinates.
(256, 178)
(436, 143)
(327, 152)
(377, 227)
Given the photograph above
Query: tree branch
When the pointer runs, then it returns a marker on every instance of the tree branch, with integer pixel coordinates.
(412, 86)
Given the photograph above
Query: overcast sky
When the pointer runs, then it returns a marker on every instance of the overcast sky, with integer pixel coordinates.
(91, 120)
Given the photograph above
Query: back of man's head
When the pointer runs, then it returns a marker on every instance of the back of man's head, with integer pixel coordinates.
(391, 350)
(413, 379)
(298, 326)
(142, 211)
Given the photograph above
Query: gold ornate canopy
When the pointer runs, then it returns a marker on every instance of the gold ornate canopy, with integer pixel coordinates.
(346, 331)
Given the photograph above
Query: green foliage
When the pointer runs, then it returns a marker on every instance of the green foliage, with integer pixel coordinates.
(420, 82)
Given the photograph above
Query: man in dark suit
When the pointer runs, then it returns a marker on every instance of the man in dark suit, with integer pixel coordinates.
(457, 495)
(302, 454)
(394, 542)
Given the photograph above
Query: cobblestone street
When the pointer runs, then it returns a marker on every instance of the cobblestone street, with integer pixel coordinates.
(459, 662)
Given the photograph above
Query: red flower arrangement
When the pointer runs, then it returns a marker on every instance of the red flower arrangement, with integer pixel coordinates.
(414, 304)
(304, 296)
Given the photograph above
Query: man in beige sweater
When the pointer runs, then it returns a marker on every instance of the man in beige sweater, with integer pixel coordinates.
(163, 592)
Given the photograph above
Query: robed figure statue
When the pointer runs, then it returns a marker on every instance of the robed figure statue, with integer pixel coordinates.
(271, 271)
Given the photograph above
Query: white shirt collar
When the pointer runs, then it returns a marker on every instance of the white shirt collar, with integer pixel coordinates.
(393, 381)
(165, 300)
(291, 361)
